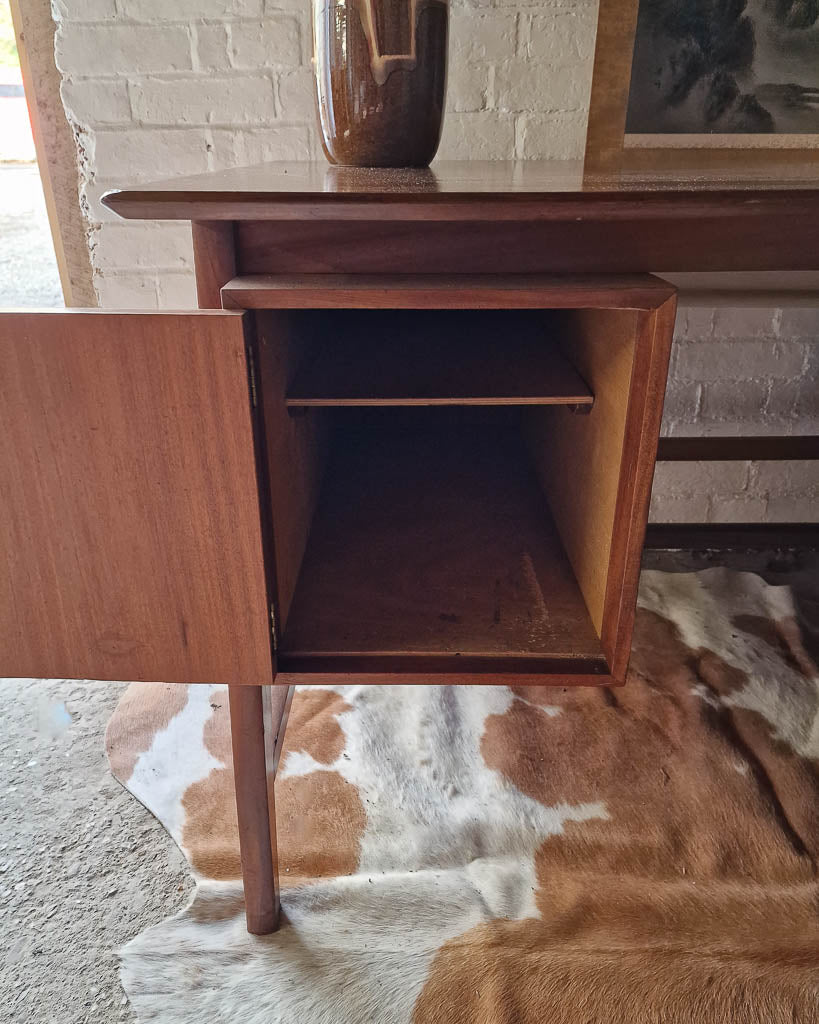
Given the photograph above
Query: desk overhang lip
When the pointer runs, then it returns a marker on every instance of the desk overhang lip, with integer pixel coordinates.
(581, 206)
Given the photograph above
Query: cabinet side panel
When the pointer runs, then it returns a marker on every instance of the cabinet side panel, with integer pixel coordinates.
(130, 534)
(296, 446)
(642, 432)
(578, 457)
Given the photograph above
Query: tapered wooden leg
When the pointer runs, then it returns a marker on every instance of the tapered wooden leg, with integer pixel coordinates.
(258, 716)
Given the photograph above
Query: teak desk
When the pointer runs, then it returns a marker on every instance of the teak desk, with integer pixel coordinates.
(409, 436)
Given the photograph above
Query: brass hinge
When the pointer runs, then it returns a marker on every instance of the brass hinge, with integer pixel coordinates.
(251, 376)
(273, 630)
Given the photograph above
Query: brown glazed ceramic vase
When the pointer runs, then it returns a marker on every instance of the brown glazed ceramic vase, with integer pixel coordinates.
(380, 68)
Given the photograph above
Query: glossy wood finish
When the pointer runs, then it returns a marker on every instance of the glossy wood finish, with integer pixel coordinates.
(509, 217)
(258, 716)
(454, 291)
(434, 357)
(130, 530)
(458, 189)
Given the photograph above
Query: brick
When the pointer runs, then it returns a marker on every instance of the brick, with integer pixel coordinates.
(297, 96)
(92, 50)
(800, 322)
(518, 89)
(93, 103)
(675, 508)
(733, 400)
(790, 508)
(192, 101)
(736, 360)
(150, 244)
(469, 85)
(489, 36)
(150, 153)
(738, 509)
(186, 10)
(796, 401)
(275, 42)
(745, 322)
(177, 291)
(682, 401)
(692, 477)
(210, 47)
(561, 38)
(694, 322)
(557, 136)
(83, 10)
(798, 476)
(126, 291)
(244, 148)
(485, 132)
(291, 6)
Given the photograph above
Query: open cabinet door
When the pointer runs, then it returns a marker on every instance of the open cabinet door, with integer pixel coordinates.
(130, 528)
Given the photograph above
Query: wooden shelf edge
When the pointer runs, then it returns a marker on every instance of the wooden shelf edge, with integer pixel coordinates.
(391, 663)
(451, 291)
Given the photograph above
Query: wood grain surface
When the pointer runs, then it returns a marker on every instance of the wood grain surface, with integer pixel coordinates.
(462, 189)
(432, 539)
(728, 233)
(452, 291)
(642, 430)
(130, 535)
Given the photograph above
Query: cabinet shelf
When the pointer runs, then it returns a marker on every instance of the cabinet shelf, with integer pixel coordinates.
(363, 358)
(432, 549)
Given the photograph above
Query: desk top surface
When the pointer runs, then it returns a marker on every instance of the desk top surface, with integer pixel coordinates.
(461, 190)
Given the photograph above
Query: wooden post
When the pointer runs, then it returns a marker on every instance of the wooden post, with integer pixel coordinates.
(258, 716)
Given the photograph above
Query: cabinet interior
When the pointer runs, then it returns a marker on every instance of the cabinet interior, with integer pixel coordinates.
(443, 486)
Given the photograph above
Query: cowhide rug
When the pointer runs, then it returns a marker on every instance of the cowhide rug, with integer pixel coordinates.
(486, 855)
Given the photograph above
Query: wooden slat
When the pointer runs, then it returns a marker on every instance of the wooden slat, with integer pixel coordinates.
(435, 358)
(130, 533)
(435, 541)
(455, 291)
(747, 449)
(732, 536)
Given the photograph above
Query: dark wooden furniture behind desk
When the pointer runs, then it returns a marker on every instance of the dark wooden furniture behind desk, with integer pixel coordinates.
(410, 436)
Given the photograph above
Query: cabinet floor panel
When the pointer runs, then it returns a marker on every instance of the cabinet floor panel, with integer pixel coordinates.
(436, 543)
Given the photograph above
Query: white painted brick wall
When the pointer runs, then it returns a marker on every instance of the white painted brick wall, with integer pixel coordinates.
(741, 370)
(157, 88)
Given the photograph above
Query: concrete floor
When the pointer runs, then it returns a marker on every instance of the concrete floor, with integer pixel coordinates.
(28, 268)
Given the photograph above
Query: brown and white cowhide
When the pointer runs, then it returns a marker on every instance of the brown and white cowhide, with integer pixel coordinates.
(487, 855)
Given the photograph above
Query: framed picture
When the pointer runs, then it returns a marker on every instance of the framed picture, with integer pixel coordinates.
(704, 83)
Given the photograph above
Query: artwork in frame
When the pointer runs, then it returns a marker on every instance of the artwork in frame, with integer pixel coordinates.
(721, 81)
